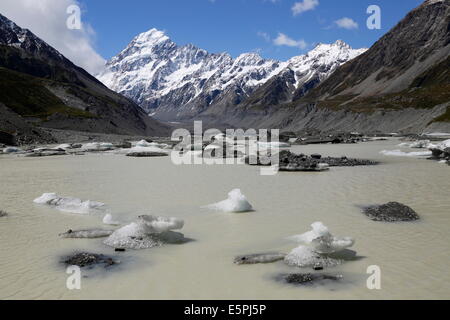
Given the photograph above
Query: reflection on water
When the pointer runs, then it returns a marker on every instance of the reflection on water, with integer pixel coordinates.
(413, 257)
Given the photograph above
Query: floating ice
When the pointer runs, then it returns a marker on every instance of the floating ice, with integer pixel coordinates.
(236, 202)
(420, 144)
(441, 146)
(86, 234)
(399, 153)
(305, 257)
(71, 205)
(65, 146)
(11, 150)
(108, 219)
(98, 146)
(162, 224)
(147, 232)
(322, 241)
(146, 144)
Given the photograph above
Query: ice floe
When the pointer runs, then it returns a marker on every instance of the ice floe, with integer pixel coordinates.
(146, 144)
(236, 202)
(420, 144)
(12, 150)
(97, 146)
(71, 205)
(147, 232)
(399, 153)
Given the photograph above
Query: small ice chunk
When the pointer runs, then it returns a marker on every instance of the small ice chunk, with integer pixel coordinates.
(86, 234)
(236, 202)
(322, 241)
(419, 144)
(108, 220)
(71, 205)
(97, 146)
(399, 153)
(11, 150)
(162, 224)
(65, 146)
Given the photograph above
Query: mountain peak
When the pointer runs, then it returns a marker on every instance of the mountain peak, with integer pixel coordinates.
(249, 58)
(151, 37)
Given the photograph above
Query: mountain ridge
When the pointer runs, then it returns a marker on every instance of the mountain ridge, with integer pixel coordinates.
(175, 82)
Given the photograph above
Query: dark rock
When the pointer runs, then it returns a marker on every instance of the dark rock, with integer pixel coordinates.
(436, 153)
(391, 212)
(147, 154)
(3, 214)
(7, 138)
(292, 162)
(46, 153)
(119, 249)
(316, 156)
(308, 278)
(89, 259)
(123, 145)
(318, 267)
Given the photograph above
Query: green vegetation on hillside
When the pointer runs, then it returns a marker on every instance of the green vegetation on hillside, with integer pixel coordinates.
(28, 96)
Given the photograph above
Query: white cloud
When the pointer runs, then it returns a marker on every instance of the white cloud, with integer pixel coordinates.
(47, 19)
(346, 23)
(284, 40)
(305, 5)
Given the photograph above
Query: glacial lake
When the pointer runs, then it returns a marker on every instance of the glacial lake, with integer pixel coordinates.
(414, 257)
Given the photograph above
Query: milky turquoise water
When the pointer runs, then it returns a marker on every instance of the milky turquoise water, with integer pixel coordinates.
(414, 257)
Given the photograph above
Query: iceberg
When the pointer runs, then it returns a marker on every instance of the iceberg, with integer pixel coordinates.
(147, 232)
(321, 241)
(441, 146)
(420, 144)
(399, 153)
(71, 205)
(97, 146)
(236, 202)
(146, 144)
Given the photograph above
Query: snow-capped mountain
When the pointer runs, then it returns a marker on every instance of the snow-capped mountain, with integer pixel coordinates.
(174, 82)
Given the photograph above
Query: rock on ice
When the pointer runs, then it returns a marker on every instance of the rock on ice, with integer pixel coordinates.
(147, 232)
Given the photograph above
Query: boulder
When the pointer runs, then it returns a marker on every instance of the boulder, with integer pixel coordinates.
(391, 212)
(308, 278)
(85, 259)
(147, 154)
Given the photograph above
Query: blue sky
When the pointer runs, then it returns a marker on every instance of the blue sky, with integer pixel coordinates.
(238, 26)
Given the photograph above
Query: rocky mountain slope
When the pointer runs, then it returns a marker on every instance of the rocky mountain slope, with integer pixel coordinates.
(39, 87)
(182, 82)
(402, 83)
